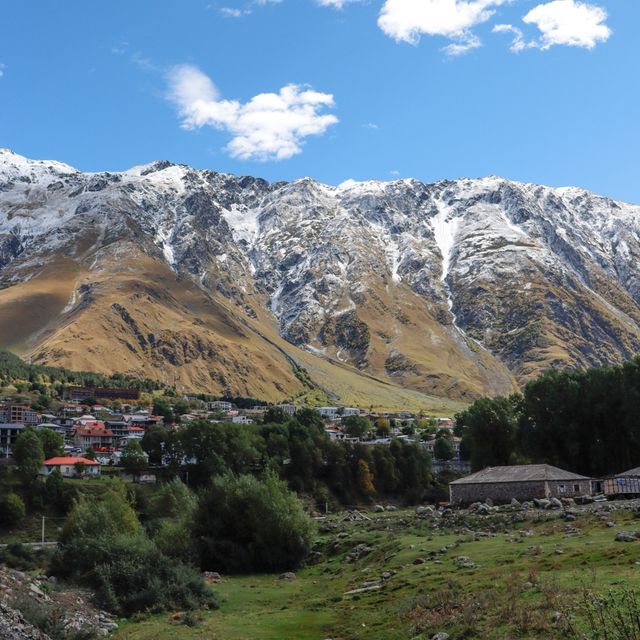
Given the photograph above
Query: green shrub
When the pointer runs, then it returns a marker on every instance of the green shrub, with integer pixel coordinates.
(12, 509)
(105, 547)
(244, 524)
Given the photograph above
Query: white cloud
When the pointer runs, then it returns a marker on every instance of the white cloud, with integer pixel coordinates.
(569, 22)
(562, 22)
(270, 126)
(519, 43)
(408, 20)
(231, 12)
(2, 68)
(336, 4)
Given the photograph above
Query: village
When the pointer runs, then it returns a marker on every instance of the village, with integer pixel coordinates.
(98, 423)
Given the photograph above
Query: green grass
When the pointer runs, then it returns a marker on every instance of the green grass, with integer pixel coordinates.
(492, 601)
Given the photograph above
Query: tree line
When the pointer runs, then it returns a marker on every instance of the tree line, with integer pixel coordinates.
(300, 452)
(584, 421)
(13, 368)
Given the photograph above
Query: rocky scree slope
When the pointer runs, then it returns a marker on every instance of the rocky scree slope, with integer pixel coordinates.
(455, 289)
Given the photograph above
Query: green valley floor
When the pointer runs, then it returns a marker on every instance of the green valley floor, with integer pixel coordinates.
(400, 576)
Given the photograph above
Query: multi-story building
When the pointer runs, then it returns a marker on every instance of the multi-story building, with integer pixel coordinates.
(93, 435)
(18, 413)
(8, 434)
(220, 405)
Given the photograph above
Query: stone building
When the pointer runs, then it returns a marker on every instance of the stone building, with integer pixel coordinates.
(523, 482)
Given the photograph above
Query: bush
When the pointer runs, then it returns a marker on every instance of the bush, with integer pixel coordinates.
(136, 576)
(17, 556)
(105, 547)
(12, 509)
(244, 525)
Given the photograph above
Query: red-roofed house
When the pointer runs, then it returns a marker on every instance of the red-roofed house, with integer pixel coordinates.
(67, 467)
(93, 435)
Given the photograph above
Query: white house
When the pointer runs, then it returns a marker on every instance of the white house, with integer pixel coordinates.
(241, 420)
(67, 467)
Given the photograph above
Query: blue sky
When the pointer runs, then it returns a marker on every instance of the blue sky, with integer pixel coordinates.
(373, 89)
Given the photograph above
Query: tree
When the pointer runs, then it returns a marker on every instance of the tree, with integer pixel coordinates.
(275, 415)
(356, 426)
(162, 407)
(383, 427)
(52, 443)
(153, 443)
(443, 449)
(492, 424)
(105, 546)
(246, 525)
(12, 509)
(133, 459)
(180, 407)
(365, 478)
(28, 454)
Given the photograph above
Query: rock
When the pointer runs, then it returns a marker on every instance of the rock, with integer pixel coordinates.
(424, 511)
(440, 636)
(556, 617)
(462, 562)
(626, 536)
(288, 575)
(378, 508)
(554, 503)
(541, 503)
(391, 507)
(528, 585)
(489, 502)
(419, 561)
(483, 510)
(515, 503)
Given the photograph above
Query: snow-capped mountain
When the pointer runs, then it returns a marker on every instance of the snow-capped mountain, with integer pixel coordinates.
(455, 288)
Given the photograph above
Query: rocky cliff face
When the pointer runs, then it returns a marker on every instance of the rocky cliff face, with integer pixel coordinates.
(455, 288)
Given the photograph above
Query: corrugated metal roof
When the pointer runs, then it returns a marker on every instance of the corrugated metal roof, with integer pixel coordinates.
(632, 473)
(519, 473)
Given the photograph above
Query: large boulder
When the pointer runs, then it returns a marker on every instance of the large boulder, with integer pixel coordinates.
(627, 536)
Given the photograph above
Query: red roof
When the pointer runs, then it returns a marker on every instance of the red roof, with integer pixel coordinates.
(55, 462)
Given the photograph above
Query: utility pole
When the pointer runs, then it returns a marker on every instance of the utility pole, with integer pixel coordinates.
(42, 529)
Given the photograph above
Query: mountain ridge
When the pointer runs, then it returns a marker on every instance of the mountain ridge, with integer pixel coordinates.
(453, 289)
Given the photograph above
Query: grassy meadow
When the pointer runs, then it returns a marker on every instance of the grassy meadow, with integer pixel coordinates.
(469, 576)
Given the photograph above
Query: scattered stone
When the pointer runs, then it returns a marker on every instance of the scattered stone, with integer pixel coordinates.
(626, 536)
(419, 561)
(288, 575)
(440, 636)
(378, 508)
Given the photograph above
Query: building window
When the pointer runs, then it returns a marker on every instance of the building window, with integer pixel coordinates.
(576, 488)
(562, 489)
